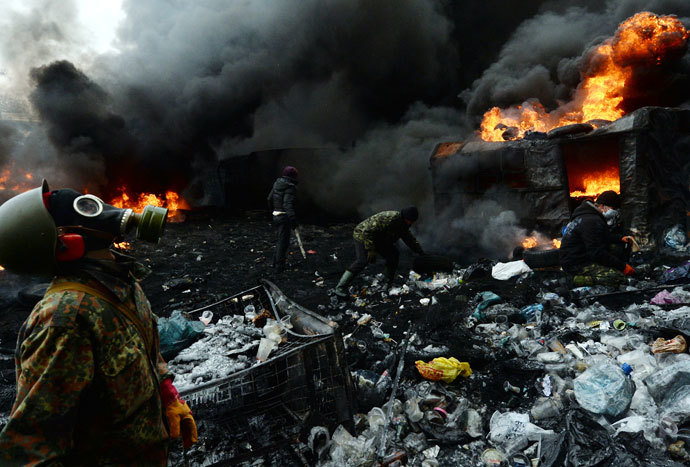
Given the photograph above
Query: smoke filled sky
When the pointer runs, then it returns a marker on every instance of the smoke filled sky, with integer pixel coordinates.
(154, 93)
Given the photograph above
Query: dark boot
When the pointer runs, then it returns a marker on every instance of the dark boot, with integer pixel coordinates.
(341, 289)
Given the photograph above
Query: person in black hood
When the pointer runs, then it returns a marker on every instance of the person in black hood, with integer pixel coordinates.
(585, 249)
(281, 201)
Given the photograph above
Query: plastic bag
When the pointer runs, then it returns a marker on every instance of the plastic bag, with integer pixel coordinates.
(504, 271)
(675, 237)
(512, 431)
(348, 450)
(443, 369)
(177, 333)
(532, 312)
(604, 389)
(664, 298)
(676, 405)
(590, 444)
(675, 345)
(677, 275)
(668, 379)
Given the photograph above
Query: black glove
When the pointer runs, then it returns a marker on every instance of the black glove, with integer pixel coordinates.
(294, 223)
(371, 257)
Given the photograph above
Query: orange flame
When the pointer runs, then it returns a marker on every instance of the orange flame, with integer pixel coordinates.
(642, 40)
(172, 200)
(529, 242)
(15, 181)
(533, 240)
(596, 183)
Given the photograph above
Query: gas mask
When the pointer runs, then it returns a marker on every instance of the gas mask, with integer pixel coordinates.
(85, 223)
(612, 217)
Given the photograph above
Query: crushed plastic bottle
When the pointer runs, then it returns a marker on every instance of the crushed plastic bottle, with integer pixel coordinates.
(546, 407)
(412, 410)
(604, 389)
(376, 418)
(206, 317)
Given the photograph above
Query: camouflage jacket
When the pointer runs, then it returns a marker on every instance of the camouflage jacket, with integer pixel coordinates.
(386, 227)
(87, 393)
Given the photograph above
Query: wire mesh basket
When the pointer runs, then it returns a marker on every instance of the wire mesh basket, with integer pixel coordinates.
(305, 383)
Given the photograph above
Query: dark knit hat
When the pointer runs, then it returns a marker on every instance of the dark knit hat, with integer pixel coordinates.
(290, 171)
(410, 213)
(609, 198)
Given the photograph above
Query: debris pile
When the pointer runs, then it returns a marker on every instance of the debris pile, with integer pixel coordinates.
(551, 373)
(230, 344)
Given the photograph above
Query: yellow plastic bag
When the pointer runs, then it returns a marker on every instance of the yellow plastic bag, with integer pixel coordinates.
(443, 369)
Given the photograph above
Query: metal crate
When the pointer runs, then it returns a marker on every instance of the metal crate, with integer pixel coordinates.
(305, 383)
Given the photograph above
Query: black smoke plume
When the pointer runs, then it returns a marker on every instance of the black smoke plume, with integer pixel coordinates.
(199, 82)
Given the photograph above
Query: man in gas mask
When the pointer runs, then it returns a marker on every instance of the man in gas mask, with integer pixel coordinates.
(92, 387)
(585, 252)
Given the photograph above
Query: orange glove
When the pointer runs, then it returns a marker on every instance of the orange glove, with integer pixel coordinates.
(179, 415)
(628, 271)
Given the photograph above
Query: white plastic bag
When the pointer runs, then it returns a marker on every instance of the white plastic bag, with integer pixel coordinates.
(512, 431)
(504, 271)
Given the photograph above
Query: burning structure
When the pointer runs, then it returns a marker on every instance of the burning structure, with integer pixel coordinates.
(605, 138)
(643, 156)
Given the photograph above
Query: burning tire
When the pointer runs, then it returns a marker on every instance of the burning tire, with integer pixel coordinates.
(541, 258)
(572, 129)
(427, 264)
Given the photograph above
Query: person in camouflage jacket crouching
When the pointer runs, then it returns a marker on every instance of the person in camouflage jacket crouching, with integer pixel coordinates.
(92, 388)
(378, 234)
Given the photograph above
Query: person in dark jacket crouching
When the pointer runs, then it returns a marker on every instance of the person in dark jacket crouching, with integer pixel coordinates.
(585, 252)
(281, 200)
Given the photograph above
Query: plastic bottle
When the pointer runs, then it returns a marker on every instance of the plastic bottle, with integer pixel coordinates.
(604, 389)
(383, 384)
(206, 317)
(546, 407)
(396, 409)
(412, 410)
(376, 418)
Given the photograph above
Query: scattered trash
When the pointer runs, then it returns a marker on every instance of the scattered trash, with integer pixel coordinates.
(512, 431)
(677, 275)
(505, 271)
(443, 369)
(177, 333)
(675, 345)
(676, 238)
(485, 299)
(206, 317)
(266, 346)
(604, 389)
(532, 312)
(677, 296)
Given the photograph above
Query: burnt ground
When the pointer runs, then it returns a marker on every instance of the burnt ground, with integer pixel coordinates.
(211, 256)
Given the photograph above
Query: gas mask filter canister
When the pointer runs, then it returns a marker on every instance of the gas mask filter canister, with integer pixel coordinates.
(97, 223)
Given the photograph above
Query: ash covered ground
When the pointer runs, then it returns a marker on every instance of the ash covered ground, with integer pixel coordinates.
(210, 257)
